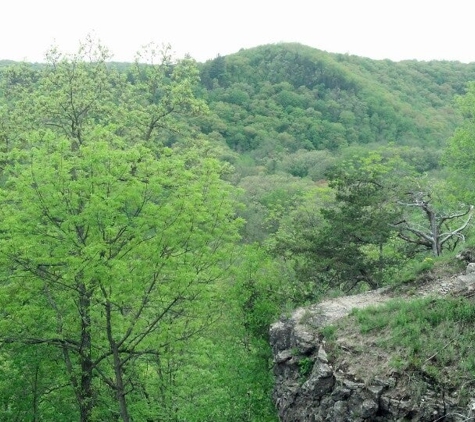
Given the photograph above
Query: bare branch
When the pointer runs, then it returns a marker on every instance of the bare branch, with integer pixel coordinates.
(431, 238)
(447, 236)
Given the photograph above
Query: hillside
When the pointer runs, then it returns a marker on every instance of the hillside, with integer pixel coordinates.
(283, 115)
(287, 97)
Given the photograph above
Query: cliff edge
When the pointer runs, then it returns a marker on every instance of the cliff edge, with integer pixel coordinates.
(310, 386)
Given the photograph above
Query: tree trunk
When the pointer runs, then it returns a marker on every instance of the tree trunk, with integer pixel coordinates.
(118, 368)
(36, 395)
(432, 238)
(434, 228)
(86, 393)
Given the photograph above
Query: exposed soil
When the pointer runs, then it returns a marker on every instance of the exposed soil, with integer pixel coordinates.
(331, 310)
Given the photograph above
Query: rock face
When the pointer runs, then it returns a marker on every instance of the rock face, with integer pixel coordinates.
(310, 388)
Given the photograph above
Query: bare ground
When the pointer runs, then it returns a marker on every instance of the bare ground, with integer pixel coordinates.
(328, 311)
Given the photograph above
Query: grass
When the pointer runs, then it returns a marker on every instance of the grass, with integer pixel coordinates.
(329, 332)
(426, 267)
(305, 367)
(428, 341)
(434, 337)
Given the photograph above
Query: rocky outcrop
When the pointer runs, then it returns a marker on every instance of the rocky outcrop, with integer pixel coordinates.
(310, 387)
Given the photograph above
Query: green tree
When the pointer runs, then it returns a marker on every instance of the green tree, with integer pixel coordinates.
(111, 250)
(213, 72)
(295, 245)
(232, 365)
(343, 241)
(162, 91)
(267, 199)
(459, 155)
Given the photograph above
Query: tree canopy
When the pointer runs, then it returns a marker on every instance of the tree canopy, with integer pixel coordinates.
(113, 245)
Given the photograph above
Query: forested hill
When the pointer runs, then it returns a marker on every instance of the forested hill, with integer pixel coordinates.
(287, 97)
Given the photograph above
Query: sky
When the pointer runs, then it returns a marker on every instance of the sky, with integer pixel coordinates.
(378, 29)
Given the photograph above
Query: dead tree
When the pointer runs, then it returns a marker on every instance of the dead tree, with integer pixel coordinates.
(438, 231)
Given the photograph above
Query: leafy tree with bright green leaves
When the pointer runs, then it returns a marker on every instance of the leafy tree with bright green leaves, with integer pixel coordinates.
(111, 256)
(112, 252)
(161, 91)
(233, 378)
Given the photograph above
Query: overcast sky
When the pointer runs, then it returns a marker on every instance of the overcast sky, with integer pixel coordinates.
(379, 29)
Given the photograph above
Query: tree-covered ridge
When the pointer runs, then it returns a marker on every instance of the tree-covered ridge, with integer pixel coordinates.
(296, 97)
(286, 114)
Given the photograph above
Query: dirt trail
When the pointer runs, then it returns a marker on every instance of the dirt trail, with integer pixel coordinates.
(330, 310)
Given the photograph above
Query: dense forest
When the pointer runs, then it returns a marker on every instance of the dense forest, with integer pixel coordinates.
(158, 215)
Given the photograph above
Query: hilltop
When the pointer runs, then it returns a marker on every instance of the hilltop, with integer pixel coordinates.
(299, 97)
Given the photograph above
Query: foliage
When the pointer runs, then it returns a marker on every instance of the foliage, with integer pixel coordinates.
(115, 251)
(262, 290)
(366, 191)
(350, 240)
(305, 366)
(300, 98)
(125, 292)
(295, 243)
(459, 155)
(267, 200)
(328, 332)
